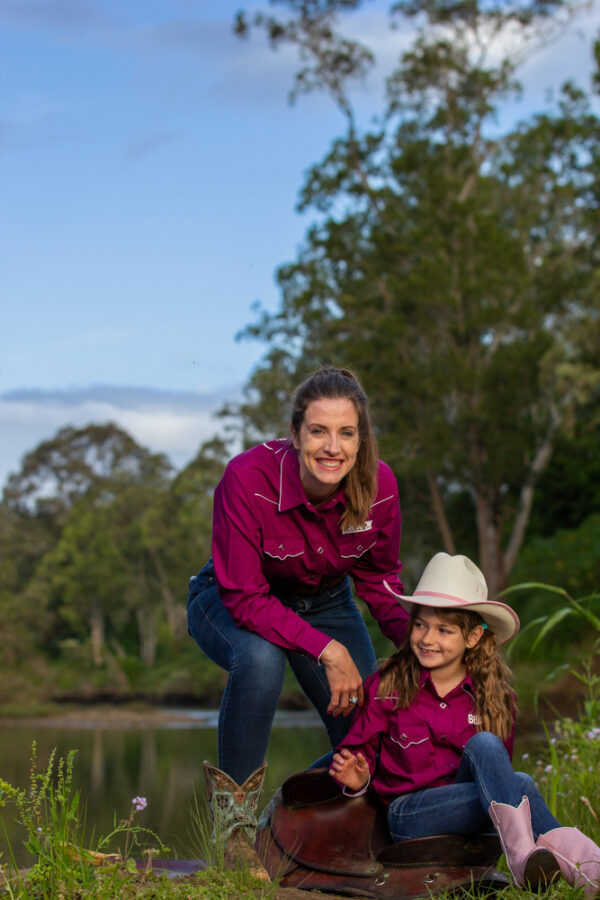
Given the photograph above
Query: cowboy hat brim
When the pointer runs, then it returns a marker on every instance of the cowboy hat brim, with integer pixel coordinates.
(501, 619)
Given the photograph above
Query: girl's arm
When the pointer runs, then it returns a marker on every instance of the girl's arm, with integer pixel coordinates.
(362, 741)
(350, 770)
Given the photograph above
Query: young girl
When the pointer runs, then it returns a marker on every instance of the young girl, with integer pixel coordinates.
(434, 738)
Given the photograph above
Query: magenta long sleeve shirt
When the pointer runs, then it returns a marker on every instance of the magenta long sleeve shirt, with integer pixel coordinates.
(269, 541)
(419, 747)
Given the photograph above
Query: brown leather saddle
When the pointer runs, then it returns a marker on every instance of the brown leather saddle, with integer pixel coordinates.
(319, 839)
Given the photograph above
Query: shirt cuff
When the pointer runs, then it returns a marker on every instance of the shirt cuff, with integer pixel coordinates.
(323, 650)
(358, 793)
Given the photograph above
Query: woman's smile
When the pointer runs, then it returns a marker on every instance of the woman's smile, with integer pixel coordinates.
(327, 444)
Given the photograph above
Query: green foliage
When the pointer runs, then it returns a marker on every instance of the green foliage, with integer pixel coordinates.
(49, 810)
(571, 560)
(569, 490)
(454, 267)
(569, 779)
(98, 542)
(49, 813)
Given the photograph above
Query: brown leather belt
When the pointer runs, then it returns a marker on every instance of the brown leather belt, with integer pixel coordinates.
(326, 584)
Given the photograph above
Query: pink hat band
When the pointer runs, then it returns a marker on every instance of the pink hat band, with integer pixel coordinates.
(440, 595)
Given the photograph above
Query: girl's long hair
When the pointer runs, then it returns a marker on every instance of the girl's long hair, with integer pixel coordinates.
(495, 704)
(360, 484)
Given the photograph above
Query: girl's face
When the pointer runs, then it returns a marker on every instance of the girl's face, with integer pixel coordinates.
(438, 645)
(327, 445)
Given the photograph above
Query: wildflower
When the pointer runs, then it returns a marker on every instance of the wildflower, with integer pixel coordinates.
(593, 734)
(139, 803)
(525, 756)
(548, 768)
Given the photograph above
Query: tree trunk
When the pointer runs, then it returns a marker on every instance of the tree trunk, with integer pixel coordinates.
(539, 463)
(491, 558)
(440, 515)
(96, 622)
(147, 635)
(175, 612)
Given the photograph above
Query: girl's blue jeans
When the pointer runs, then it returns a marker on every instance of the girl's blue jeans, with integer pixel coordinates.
(485, 774)
(256, 667)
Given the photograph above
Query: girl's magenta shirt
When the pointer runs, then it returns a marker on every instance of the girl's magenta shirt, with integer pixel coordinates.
(269, 541)
(419, 747)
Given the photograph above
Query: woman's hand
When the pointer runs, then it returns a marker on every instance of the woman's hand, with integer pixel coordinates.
(344, 679)
(351, 770)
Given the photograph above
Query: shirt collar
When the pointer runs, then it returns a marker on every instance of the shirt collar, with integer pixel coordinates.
(291, 492)
(465, 685)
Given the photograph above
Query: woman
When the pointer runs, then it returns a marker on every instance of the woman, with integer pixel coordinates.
(293, 518)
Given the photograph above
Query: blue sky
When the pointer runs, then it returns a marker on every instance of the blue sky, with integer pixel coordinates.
(149, 170)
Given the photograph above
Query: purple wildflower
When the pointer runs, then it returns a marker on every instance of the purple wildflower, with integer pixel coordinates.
(139, 803)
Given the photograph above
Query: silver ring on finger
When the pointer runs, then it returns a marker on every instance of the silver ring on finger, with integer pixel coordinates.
(353, 699)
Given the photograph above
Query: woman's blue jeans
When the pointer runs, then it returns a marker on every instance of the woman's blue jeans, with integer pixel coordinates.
(256, 668)
(485, 774)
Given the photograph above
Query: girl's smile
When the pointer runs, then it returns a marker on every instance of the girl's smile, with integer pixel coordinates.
(440, 646)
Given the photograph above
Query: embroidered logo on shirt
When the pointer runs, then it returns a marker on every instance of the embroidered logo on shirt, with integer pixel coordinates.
(473, 719)
(353, 529)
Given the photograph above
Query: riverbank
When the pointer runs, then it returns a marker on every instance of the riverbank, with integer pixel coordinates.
(106, 716)
(138, 716)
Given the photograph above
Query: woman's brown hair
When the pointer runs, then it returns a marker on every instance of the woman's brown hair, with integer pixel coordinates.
(495, 705)
(360, 484)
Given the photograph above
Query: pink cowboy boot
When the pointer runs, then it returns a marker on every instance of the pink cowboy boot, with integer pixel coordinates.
(578, 857)
(530, 865)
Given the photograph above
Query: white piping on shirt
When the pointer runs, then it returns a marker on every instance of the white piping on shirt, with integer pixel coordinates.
(285, 556)
(279, 449)
(410, 743)
(262, 497)
(281, 478)
(356, 555)
(383, 500)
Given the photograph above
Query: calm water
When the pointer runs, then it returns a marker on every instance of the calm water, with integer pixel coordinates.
(163, 764)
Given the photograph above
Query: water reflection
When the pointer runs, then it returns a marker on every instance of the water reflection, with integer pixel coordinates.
(163, 764)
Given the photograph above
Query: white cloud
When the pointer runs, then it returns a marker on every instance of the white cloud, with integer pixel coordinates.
(174, 423)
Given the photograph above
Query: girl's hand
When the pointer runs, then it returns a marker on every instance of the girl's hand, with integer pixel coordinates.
(344, 679)
(351, 770)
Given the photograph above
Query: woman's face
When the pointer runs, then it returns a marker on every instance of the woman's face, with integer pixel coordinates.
(327, 445)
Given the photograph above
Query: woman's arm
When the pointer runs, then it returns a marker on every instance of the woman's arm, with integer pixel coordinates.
(238, 560)
(343, 677)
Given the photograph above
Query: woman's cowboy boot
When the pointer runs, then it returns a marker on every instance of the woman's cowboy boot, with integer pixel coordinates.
(530, 865)
(578, 857)
(232, 809)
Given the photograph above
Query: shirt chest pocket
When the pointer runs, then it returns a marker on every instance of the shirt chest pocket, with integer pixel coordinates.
(282, 548)
(353, 546)
(413, 744)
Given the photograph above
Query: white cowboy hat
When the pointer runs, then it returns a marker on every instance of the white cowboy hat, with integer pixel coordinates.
(454, 582)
